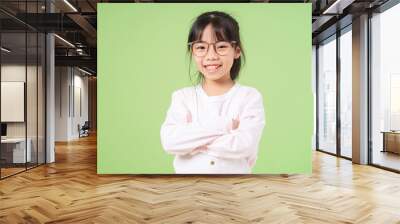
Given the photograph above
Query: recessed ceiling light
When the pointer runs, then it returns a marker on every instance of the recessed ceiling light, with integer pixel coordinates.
(64, 40)
(338, 6)
(70, 5)
(84, 71)
(5, 50)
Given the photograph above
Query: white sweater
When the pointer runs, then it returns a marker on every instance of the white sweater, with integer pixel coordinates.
(195, 119)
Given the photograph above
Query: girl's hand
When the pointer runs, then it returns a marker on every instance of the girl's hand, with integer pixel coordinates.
(199, 149)
(188, 117)
(235, 123)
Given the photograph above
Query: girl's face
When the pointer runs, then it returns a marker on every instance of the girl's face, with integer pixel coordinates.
(212, 65)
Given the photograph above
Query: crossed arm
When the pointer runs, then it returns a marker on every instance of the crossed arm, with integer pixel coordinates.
(217, 136)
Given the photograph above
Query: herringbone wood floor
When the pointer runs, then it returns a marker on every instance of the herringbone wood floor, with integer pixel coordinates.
(70, 191)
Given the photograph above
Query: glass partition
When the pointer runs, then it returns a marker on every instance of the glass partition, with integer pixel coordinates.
(22, 77)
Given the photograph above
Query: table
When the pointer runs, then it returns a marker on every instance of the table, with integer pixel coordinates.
(16, 151)
(391, 141)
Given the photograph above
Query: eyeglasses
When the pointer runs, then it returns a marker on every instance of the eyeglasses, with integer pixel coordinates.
(200, 48)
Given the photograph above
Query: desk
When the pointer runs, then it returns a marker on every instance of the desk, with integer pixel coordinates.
(16, 151)
(391, 141)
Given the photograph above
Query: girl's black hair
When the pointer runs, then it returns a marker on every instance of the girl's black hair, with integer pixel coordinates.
(226, 28)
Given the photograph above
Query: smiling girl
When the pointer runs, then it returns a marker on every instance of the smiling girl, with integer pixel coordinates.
(215, 126)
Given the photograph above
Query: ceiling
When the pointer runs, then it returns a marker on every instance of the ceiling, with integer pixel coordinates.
(76, 22)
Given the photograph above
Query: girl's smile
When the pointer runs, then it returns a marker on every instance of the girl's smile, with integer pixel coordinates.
(212, 68)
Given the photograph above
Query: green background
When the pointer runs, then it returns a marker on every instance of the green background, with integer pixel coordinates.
(142, 59)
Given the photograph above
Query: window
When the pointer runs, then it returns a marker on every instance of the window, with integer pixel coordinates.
(346, 92)
(327, 95)
(385, 88)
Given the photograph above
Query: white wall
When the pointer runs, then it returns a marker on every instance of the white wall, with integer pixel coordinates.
(81, 84)
(314, 91)
(70, 83)
(62, 81)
